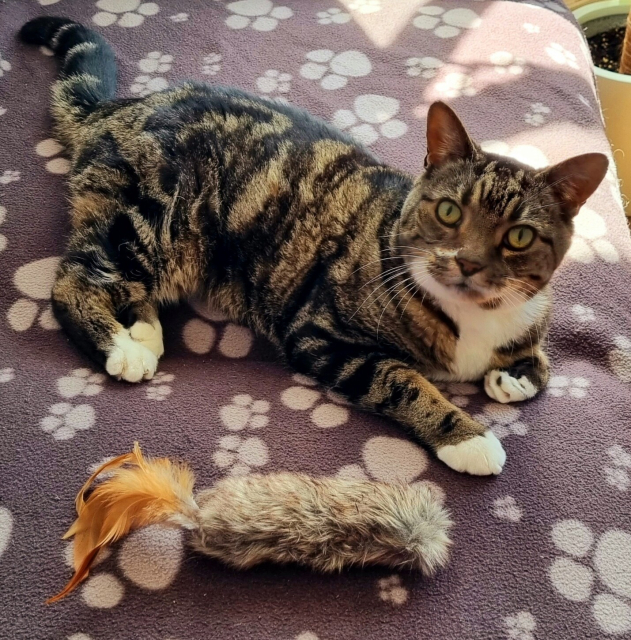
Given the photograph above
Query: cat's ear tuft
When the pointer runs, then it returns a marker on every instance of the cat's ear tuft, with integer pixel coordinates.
(447, 139)
(574, 180)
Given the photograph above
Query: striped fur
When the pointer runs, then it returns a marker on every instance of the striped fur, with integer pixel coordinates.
(294, 229)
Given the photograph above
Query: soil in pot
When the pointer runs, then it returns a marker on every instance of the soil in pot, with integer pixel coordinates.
(606, 48)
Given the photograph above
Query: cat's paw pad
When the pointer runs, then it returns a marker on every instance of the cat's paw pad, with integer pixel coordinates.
(479, 456)
(130, 360)
(501, 386)
(149, 335)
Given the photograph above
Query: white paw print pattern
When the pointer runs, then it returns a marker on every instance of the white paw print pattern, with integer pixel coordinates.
(426, 67)
(589, 241)
(333, 70)
(244, 412)
(458, 393)
(536, 116)
(391, 590)
(507, 509)
(50, 148)
(3, 110)
(260, 15)
(333, 16)
(6, 528)
(34, 281)
(609, 559)
(531, 28)
(159, 388)
(274, 81)
(520, 626)
(502, 420)
(202, 334)
(617, 472)
(455, 85)
(365, 6)
(8, 176)
(7, 375)
(560, 386)
(3, 238)
(64, 420)
(620, 358)
(124, 13)
(506, 62)
(371, 118)
(212, 64)
(561, 55)
(81, 382)
(446, 24)
(5, 66)
(153, 62)
(526, 153)
(179, 17)
(305, 397)
(583, 313)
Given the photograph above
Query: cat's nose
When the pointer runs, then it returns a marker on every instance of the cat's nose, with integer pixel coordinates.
(469, 268)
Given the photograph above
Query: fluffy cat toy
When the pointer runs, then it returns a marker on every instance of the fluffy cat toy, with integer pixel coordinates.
(326, 524)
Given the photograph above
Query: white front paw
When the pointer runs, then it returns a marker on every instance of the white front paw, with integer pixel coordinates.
(130, 360)
(149, 335)
(502, 387)
(479, 456)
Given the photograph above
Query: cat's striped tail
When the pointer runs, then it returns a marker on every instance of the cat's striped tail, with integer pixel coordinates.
(88, 70)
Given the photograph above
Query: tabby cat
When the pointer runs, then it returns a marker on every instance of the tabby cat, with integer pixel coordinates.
(368, 280)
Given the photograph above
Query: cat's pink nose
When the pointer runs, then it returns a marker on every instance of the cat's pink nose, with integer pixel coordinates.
(468, 268)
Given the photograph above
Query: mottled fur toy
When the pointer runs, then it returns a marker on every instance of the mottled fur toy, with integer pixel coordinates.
(370, 281)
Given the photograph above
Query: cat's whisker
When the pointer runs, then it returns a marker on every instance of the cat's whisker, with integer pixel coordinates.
(385, 306)
(388, 272)
(396, 275)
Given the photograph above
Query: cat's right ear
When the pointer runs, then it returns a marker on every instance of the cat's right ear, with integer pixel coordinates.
(447, 139)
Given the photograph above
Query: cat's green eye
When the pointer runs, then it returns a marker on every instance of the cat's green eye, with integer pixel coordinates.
(519, 238)
(448, 213)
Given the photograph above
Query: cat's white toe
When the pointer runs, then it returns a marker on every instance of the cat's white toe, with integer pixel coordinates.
(500, 386)
(130, 360)
(149, 335)
(479, 456)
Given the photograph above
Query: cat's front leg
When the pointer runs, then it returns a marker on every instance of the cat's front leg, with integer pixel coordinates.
(518, 377)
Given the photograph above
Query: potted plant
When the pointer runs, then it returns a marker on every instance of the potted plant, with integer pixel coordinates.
(603, 22)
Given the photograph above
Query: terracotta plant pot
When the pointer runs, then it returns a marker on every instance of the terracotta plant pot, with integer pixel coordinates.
(614, 88)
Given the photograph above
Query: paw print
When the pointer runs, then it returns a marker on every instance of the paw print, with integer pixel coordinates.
(620, 358)
(561, 55)
(392, 590)
(305, 396)
(3, 238)
(584, 559)
(5, 66)
(35, 281)
(64, 420)
(365, 6)
(49, 148)
(537, 114)
(156, 62)
(260, 15)
(244, 412)
(502, 420)
(531, 28)
(426, 67)
(6, 375)
(212, 64)
(80, 382)
(179, 17)
(507, 509)
(273, 81)
(201, 334)
(506, 62)
(9, 176)
(372, 117)
(333, 16)
(617, 475)
(455, 85)
(333, 70)
(144, 85)
(125, 13)
(458, 393)
(526, 153)
(239, 455)
(583, 314)
(589, 239)
(560, 386)
(520, 626)
(159, 388)
(446, 24)
(3, 110)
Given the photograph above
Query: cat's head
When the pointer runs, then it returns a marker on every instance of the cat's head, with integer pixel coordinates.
(477, 226)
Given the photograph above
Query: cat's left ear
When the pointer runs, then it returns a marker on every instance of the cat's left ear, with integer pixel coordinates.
(574, 180)
(447, 139)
